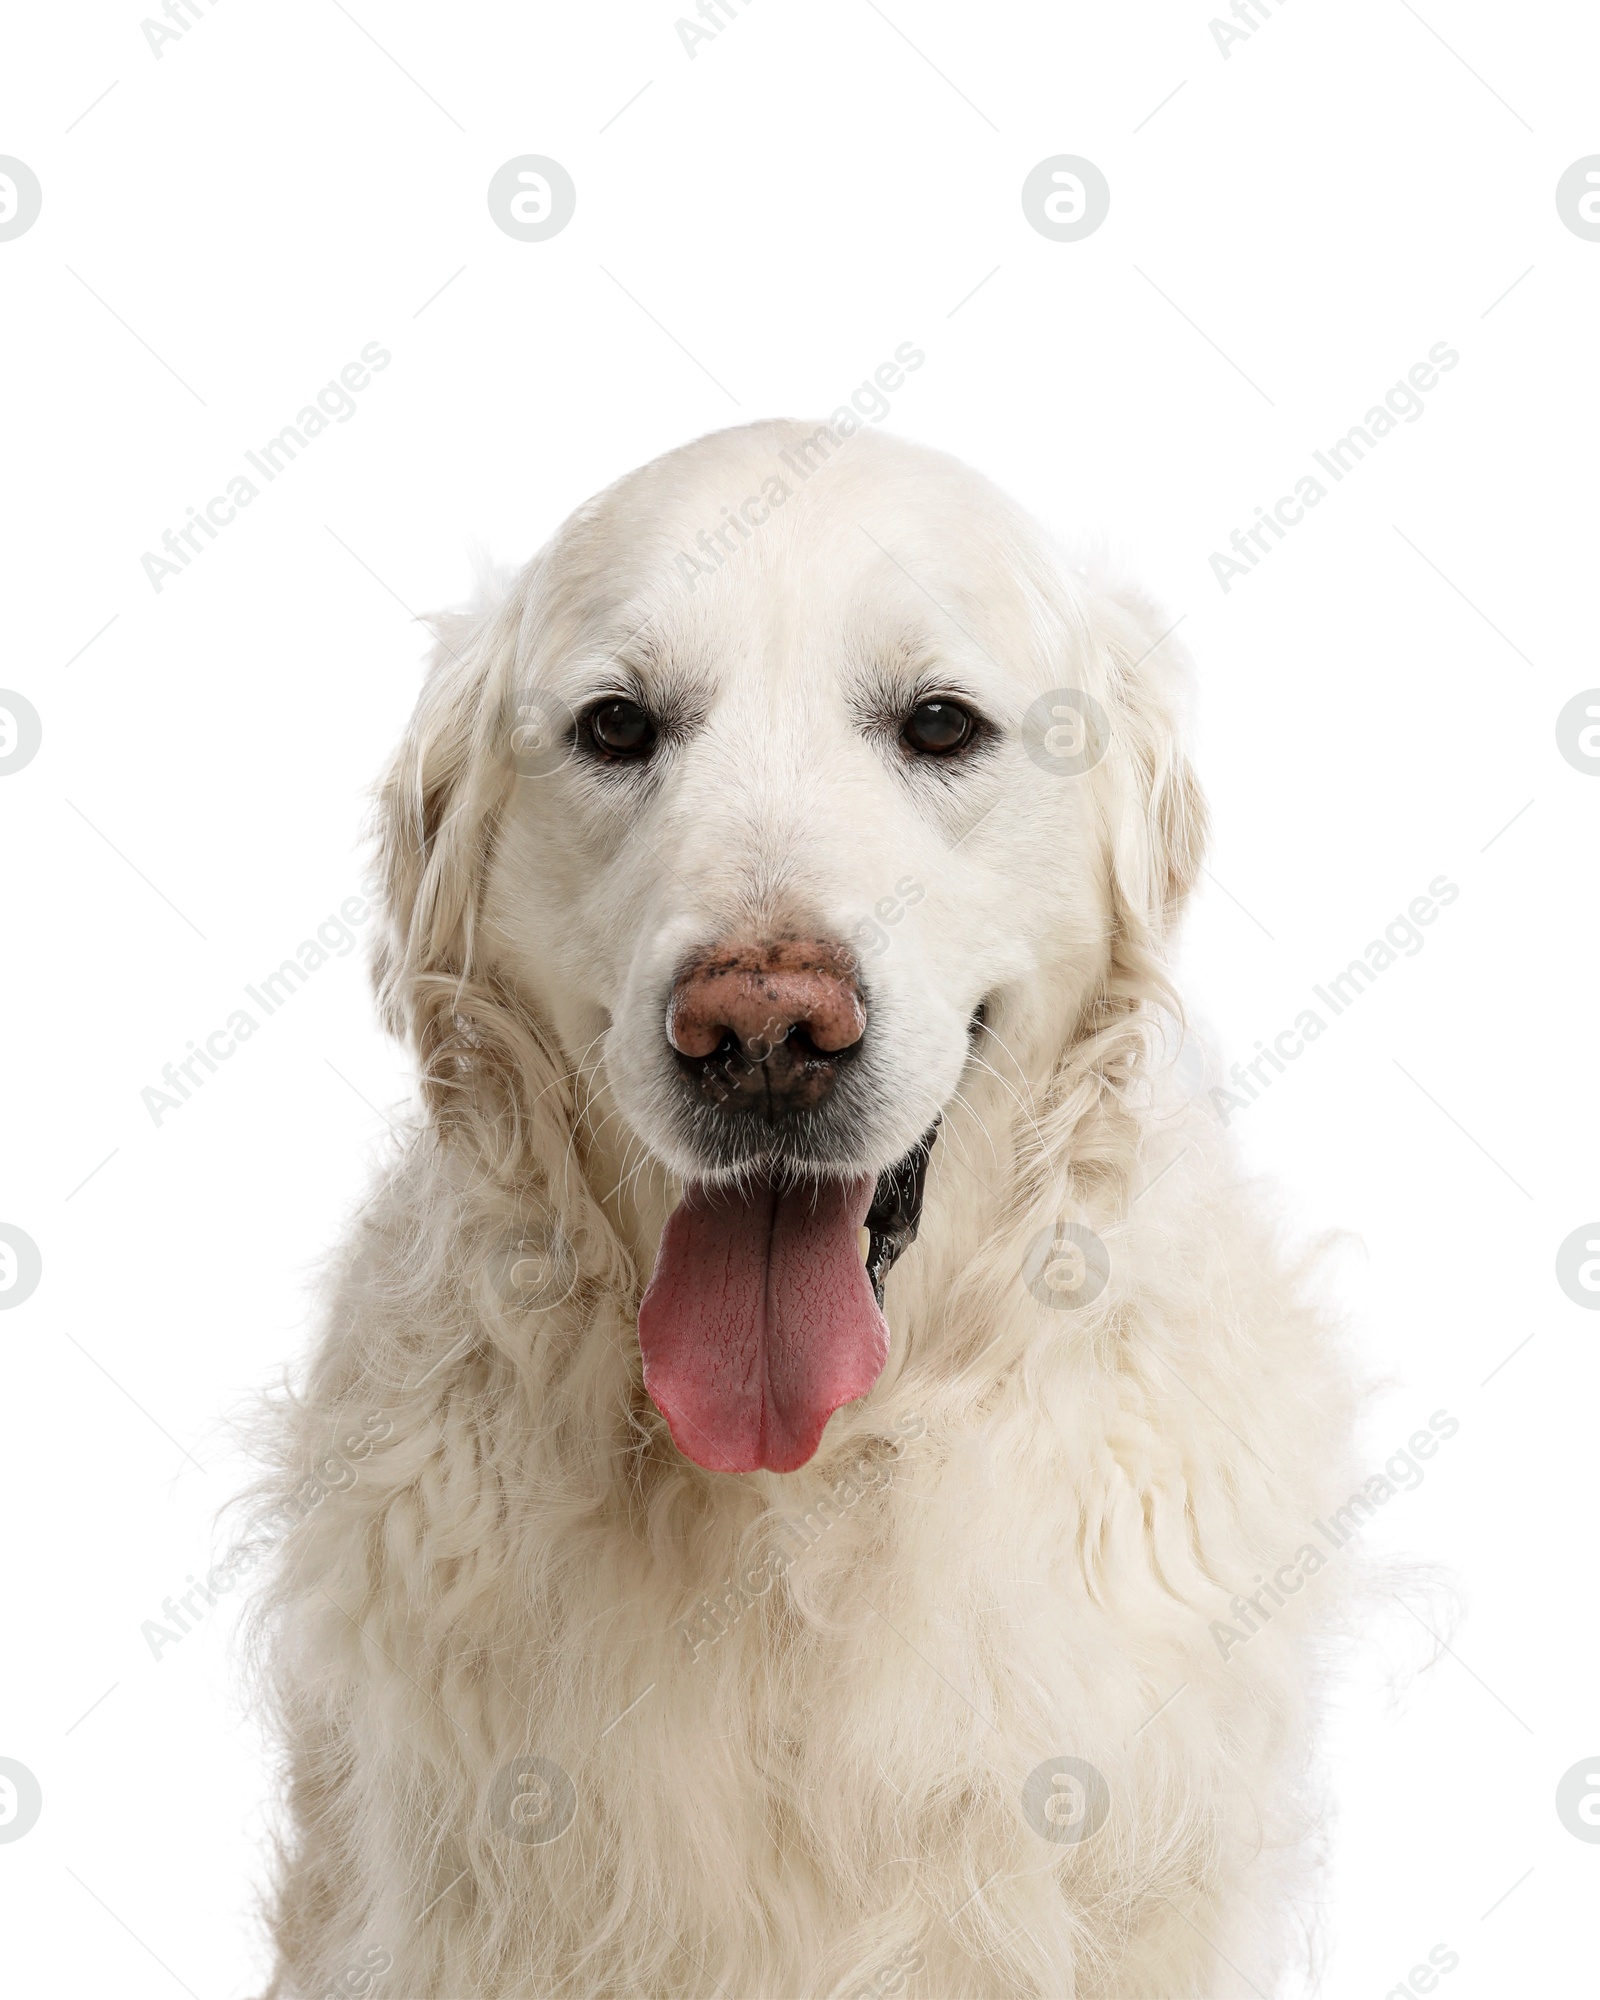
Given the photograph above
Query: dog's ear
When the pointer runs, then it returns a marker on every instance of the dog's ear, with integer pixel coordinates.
(1156, 810)
(492, 1077)
(437, 808)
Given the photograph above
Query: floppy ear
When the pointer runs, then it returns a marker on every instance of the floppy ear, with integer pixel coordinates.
(1157, 812)
(494, 1082)
(438, 807)
(1153, 828)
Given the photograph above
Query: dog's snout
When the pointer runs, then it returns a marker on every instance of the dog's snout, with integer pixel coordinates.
(758, 996)
(767, 1023)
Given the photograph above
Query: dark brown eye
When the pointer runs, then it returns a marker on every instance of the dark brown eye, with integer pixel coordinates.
(621, 729)
(935, 728)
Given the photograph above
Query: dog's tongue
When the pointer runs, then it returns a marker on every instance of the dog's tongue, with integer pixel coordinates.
(759, 1321)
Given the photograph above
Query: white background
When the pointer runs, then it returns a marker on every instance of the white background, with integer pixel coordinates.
(1294, 226)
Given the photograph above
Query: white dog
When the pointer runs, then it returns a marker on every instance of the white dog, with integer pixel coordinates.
(778, 886)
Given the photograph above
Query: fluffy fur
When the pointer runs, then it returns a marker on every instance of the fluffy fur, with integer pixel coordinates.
(484, 1545)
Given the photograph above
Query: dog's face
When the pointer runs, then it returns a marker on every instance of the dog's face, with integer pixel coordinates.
(810, 758)
(813, 803)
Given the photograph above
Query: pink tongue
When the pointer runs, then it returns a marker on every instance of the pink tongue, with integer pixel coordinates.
(759, 1321)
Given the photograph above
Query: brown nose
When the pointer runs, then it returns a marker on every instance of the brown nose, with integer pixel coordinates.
(762, 995)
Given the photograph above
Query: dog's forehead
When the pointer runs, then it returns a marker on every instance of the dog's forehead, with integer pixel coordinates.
(743, 551)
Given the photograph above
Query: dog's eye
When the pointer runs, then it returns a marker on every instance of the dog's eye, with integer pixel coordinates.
(935, 728)
(621, 729)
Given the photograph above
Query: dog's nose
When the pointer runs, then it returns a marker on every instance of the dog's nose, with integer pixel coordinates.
(759, 995)
(767, 1022)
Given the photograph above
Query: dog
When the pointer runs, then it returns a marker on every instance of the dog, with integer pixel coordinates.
(798, 1407)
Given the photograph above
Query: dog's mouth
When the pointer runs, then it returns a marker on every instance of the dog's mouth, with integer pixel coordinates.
(762, 1317)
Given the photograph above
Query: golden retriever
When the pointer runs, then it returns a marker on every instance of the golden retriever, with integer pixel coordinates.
(812, 1388)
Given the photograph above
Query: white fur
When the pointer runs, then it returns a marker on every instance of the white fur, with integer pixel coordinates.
(1017, 1542)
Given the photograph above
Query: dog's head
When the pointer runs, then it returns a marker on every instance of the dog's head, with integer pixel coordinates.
(795, 773)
